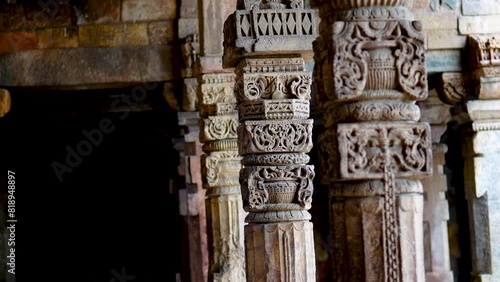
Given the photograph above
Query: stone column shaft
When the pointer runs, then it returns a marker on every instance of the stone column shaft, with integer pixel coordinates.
(369, 71)
(273, 91)
(478, 112)
(436, 211)
(221, 162)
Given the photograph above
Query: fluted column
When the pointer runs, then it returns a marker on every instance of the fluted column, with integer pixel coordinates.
(436, 212)
(221, 162)
(369, 71)
(267, 41)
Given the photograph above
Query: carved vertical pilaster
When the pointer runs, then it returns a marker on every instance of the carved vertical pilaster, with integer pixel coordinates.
(221, 162)
(478, 113)
(267, 40)
(436, 212)
(369, 71)
(220, 166)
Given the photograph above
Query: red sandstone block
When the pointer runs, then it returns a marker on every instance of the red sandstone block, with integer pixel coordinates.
(17, 41)
(141, 10)
(50, 13)
(161, 32)
(59, 37)
(99, 11)
(11, 17)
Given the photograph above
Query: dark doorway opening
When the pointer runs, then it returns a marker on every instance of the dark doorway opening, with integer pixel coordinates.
(108, 212)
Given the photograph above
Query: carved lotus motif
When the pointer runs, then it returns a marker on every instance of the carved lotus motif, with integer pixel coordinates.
(353, 4)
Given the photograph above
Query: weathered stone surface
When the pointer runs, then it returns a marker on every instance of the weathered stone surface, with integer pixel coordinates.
(480, 7)
(87, 66)
(436, 215)
(189, 9)
(437, 20)
(479, 24)
(445, 39)
(481, 169)
(189, 95)
(187, 26)
(50, 14)
(292, 245)
(138, 10)
(161, 32)
(11, 17)
(99, 12)
(113, 35)
(15, 41)
(5, 102)
(215, 12)
(59, 37)
(443, 61)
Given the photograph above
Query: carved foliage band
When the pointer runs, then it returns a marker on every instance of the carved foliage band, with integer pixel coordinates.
(275, 136)
(375, 56)
(366, 148)
(276, 86)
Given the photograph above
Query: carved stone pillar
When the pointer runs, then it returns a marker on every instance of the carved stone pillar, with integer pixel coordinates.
(267, 41)
(221, 163)
(479, 114)
(369, 71)
(436, 213)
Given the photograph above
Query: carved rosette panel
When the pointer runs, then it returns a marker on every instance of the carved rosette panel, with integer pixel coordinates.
(277, 188)
(218, 128)
(275, 136)
(366, 148)
(369, 60)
